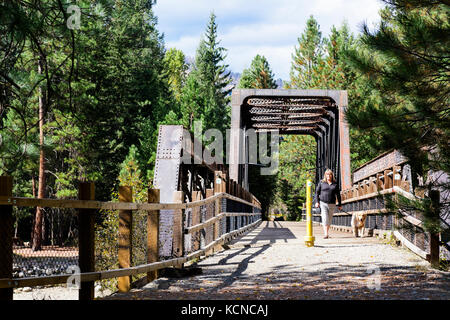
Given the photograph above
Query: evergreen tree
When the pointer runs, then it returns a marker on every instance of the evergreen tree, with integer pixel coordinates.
(124, 92)
(337, 74)
(101, 88)
(213, 79)
(406, 61)
(192, 102)
(258, 76)
(307, 60)
(176, 68)
(31, 81)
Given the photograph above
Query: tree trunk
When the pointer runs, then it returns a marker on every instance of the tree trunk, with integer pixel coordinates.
(33, 190)
(39, 218)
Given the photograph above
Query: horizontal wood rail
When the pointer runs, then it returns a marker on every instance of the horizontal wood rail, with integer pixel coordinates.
(86, 208)
(99, 205)
(369, 195)
(211, 221)
(412, 239)
(411, 246)
(144, 268)
(394, 190)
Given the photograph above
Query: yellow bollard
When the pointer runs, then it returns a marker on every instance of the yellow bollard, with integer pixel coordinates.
(309, 239)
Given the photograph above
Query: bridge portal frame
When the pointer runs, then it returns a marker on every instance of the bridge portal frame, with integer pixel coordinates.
(337, 129)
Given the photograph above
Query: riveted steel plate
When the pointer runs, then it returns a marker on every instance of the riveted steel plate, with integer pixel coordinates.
(167, 164)
(166, 176)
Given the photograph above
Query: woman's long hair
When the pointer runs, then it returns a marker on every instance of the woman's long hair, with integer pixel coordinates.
(325, 176)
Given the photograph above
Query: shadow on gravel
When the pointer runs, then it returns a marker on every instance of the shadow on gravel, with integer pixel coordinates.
(343, 282)
(273, 231)
(240, 269)
(368, 281)
(226, 279)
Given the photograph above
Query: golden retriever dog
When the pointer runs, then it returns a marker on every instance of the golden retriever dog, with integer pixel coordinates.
(358, 223)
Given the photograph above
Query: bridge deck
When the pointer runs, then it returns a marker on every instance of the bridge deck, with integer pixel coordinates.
(272, 262)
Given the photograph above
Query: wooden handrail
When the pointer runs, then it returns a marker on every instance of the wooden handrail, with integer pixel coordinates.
(370, 195)
(395, 189)
(100, 205)
(101, 275)
(208, 222)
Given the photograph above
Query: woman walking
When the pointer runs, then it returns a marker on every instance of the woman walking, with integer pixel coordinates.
(327, 193)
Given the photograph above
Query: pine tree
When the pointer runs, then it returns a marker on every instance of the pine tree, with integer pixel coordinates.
(124, 92)
(192, 102)
(258, 76)
(102, 88)
(406, 61)
(176, 68)
(307, 60)
(320, 63)
(212, 76)
(337, 73)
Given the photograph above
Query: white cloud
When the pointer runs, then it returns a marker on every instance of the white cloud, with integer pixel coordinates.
(279, 58)
(261, 33)
(251, 27)
(188, 44)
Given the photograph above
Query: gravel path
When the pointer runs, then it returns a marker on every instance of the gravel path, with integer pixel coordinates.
(272, 262)
(52, 293)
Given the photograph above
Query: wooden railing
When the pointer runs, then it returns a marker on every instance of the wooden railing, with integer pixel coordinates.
(87, 208)
(367, 196)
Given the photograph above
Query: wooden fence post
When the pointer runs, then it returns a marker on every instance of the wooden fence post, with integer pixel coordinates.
(86, 236)
(223, 186)
(217, 189)
(209, 215)
(396, 176)
(386, 180)
(434, 237)
(379, 185)
(125, 237)
(216, 225)
(6, 237)
(196, 220)
(217, 181)
(226, 176)
(153, 233)
(178, 226)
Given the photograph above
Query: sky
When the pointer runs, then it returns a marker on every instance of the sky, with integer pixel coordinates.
(250, 27)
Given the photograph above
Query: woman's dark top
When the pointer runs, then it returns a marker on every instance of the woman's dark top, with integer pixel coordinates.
(328, 193)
